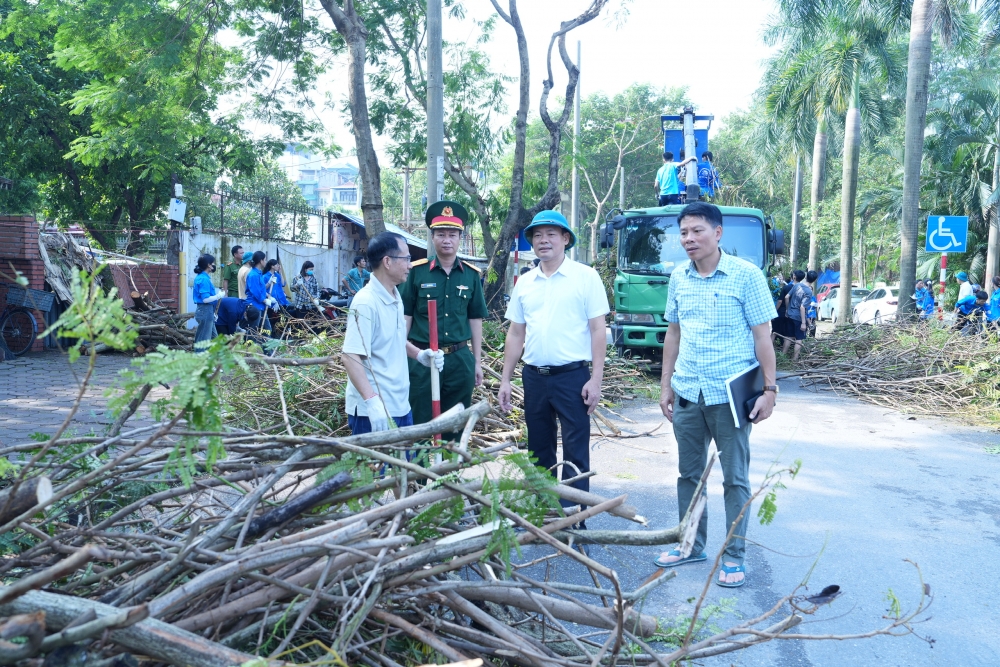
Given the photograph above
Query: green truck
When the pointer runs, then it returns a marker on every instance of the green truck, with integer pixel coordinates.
(648, 248)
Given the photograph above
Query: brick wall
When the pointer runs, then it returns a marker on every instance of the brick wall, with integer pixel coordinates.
(19, 251)
(161, 281)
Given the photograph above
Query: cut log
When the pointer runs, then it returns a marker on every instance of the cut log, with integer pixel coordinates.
(581, 613)
(141, 301)
(151, 637)
(300, 504)
(22, 497)
(30, 626)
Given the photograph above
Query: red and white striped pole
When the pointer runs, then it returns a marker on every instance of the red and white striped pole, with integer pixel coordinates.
(432, 326)
(944, 270)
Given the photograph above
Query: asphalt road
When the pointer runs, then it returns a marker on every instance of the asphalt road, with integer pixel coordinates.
(875, 488)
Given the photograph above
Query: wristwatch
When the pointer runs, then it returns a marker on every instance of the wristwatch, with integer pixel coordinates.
(771, 387)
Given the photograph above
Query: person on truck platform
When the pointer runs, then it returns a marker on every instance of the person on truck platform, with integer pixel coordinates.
(668, 185)
(708, 176)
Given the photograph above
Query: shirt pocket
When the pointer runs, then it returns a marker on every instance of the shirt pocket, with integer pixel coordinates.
(459, 298)
(728, 309)
(689, 305)
(423, 296)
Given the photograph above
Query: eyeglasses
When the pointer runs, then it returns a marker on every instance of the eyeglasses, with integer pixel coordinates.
(406, 257)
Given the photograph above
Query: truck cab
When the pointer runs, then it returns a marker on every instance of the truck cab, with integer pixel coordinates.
(648, 248)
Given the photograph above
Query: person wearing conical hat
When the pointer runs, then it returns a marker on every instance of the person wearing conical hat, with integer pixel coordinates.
(461, 307)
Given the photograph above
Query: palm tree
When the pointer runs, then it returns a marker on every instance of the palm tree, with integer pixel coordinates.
(951, 24)
(793, 99)
(847, 48)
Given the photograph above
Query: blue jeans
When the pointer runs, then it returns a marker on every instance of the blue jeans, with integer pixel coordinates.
(360, 424)
(204, 315)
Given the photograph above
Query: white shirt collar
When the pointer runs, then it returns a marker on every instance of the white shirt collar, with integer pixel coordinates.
(562, 269)
(382, 292)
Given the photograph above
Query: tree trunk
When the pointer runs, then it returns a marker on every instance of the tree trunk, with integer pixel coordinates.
(993, 243)
(518, 216)
(352, 28)
(849, 195)
(516, 219)
(21, 497)
(918, 74)
(161, 641)
(796, 210)
(818, 182)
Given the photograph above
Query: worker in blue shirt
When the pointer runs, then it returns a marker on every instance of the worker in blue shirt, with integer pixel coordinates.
(923, 296)
(708, 175)
(971, 308)
(205, 295)
(276, 286)
(993, 308)
(257, 289)
(234, 315)
(667, 182)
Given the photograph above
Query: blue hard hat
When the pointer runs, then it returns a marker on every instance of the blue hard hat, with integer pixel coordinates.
(551, 219)
(962, 275)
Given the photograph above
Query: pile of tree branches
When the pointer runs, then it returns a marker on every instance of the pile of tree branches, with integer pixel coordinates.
(188, 541)
(286, 548)
(915, 367)
(312, 378)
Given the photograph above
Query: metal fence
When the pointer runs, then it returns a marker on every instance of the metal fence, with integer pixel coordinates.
(232, 213)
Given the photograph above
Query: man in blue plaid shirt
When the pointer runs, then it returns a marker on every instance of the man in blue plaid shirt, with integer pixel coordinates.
(719, 311)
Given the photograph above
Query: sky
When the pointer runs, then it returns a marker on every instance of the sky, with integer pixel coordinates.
(711, 46)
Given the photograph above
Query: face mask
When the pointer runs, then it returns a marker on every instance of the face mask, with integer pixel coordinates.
(212, 270)
(309, 272)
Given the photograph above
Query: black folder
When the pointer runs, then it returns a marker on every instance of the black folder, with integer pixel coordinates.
(743, 390)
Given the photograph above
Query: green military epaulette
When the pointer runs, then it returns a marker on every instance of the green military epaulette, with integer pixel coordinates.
(419, 262)
(472, 266)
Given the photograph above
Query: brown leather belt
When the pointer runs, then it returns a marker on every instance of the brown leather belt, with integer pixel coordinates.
(447, 350)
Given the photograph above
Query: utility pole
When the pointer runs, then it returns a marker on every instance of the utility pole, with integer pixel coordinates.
(621, 189)
(575, 194)
(435, 105)
(405, 218)
(796, 210)
(691, 170)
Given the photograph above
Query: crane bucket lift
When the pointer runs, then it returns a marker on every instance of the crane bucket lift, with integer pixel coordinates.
(691, 138)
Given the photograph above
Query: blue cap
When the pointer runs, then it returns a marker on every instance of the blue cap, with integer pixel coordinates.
(551, 219)
(962, 275)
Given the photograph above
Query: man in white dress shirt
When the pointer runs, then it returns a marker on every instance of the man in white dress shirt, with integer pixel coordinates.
(557, 319)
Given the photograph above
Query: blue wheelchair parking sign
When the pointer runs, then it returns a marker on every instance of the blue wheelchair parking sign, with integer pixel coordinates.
(947, 233)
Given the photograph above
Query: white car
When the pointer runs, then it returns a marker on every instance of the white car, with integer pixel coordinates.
(828, 306)
(877, 307)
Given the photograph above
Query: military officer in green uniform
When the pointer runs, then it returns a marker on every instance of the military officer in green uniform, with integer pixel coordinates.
(461, 307)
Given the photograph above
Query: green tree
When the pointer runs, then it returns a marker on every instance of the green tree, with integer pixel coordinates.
(109, 100)
(952, 25)
(476, 128)
(621, 131)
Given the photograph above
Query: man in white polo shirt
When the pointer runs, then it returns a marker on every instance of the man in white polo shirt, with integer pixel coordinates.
(557, 314)
(375, 347)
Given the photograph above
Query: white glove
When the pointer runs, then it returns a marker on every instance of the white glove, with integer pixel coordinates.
(274, 279)
(215, 297)
(377, 415)
(316, 303)
(270, 301)
(425, 357)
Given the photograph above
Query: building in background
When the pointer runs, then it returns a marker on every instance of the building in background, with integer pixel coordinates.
(324, 183)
